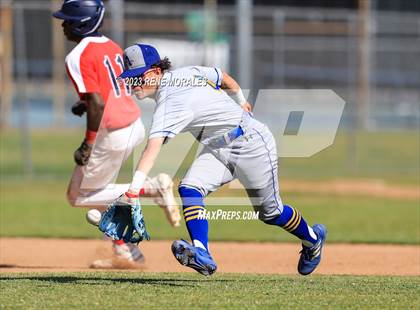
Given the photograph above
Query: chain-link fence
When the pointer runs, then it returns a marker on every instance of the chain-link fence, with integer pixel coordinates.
(371, 60)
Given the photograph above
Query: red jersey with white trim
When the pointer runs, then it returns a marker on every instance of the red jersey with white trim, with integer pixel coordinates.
(93, 66)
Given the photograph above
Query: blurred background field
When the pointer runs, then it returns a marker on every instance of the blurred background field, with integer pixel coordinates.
(391, 156)
(365, 51)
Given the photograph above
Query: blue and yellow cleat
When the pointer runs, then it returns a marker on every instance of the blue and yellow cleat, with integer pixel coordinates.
(310, 257)
(193, 257)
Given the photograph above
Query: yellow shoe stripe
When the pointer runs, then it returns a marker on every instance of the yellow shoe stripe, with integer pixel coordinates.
(291, 220)
(193, 212)
(192, 208)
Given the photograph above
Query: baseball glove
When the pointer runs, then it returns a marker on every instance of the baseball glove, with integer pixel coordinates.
(123, 220)
(82, 154)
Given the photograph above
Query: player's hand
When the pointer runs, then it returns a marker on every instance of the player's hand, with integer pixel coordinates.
(79, 108)
(82, 154)
(247, 107)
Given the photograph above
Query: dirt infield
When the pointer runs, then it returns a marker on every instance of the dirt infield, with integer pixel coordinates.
(35, 255)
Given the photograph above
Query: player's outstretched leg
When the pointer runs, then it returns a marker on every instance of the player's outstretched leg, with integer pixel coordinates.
(313, 238)
(197, 255)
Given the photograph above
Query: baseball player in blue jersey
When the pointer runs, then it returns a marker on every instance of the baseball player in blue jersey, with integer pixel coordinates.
(236, 146)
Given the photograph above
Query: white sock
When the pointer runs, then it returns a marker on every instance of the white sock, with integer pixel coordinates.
(313, 235)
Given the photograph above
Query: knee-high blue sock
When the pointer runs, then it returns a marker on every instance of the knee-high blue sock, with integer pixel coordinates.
(193, 205)
(291, 220)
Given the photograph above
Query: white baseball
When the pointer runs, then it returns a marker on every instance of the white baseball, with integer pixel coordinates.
(93, 217)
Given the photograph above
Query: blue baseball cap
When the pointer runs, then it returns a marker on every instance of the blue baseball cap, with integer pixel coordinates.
(138, 59)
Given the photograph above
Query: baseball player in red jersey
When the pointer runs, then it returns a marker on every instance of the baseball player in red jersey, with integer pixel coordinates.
(114, 127)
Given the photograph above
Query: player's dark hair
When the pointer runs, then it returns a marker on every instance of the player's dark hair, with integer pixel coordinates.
(164, 64)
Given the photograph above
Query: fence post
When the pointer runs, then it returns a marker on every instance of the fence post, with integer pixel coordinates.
(6, 56)
(279, 48)
(210, 17)
(58, 82)
(352, 95)
(116, 9)
(363, 79)
(22, 80)
(244, 32)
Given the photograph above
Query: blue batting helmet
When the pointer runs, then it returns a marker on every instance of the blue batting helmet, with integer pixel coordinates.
(84, 16)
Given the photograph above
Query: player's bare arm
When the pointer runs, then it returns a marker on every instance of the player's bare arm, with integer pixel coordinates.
(232, 88)
(95, 109)
(145, 164)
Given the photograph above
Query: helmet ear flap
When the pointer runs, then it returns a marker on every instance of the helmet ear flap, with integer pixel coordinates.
(80, 27)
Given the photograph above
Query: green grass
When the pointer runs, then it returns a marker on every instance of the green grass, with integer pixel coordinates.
(391, 156)
(52, 152)
(193, 291)
(39, 209)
